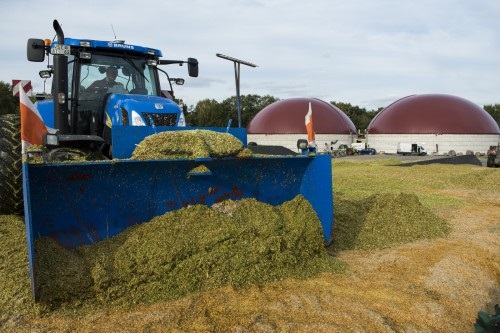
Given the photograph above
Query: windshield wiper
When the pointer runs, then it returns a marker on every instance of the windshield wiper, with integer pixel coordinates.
(136, 68)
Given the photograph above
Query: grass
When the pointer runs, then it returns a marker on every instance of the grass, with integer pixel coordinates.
(358, 180)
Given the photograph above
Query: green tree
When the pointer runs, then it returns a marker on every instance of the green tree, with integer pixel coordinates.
(212, 113)
(205, 113)
(8, 103)
(250, 106)
(494, 111)
(360, 117)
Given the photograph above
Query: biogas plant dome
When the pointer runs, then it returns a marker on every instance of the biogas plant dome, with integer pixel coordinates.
(282, 123)
(443, 124)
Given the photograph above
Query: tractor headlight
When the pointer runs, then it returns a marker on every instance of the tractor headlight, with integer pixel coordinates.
(45, 74)
(136, 119)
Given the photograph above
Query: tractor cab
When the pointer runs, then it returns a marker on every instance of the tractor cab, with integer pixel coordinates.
(93, 81)
(99, 84)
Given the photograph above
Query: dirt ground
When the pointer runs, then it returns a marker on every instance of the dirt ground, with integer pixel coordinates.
(426, 286)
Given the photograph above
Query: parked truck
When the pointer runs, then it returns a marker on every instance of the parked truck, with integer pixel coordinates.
(411, 149)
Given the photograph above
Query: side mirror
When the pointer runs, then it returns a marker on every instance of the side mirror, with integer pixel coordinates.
(36, 50)
(192, 67)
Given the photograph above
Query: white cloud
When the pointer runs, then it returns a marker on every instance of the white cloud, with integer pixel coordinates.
(368, 53)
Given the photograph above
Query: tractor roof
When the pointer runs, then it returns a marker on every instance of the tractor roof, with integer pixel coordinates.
(110, 45)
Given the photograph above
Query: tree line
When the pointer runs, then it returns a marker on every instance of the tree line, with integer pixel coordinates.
(209, 112)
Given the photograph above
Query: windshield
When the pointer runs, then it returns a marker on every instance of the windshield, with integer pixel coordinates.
(102, 76)
(132, 76)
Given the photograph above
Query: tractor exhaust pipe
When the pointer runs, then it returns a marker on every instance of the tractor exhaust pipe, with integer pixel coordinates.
(60, 81)
(59, 32)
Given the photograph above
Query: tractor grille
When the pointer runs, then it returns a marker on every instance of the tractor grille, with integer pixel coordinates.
(160, 119)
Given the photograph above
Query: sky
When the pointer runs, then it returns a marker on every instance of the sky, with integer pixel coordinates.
(369, 53)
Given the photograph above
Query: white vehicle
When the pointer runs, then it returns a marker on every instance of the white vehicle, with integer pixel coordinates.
(411, 149)
(358, 145)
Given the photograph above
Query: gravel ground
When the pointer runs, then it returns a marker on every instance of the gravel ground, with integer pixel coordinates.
(412, 160)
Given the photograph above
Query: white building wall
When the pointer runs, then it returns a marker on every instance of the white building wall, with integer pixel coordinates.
(438, 144)
(290, 140)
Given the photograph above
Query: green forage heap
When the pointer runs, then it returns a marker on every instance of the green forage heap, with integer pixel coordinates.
(190, 144)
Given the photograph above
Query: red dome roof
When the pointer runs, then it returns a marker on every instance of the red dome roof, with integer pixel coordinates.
(288, 117)
(433, 114)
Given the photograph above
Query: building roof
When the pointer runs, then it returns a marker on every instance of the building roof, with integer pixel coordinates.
(433, 114)
(288, 117)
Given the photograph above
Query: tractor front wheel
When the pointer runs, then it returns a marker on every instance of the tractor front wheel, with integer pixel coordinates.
(11, 189)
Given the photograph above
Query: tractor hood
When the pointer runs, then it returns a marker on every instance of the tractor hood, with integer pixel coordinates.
(141, 110)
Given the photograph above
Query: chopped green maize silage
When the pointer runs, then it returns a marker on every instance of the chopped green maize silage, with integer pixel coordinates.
(190, 144)
(188, 250)
(384, 220)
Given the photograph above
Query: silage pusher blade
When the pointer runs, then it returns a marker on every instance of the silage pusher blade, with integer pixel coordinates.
(82, 203)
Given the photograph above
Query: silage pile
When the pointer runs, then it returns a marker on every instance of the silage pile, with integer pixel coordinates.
(15, 293)
(384, 220)
(190, 144)
(185, 251)
(236, 243)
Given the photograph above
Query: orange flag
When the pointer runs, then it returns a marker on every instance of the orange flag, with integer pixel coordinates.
(32, 125)
(309, 127)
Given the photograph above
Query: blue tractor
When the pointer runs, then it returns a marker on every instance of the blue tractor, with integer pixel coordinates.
(101, 84)
(89, 200)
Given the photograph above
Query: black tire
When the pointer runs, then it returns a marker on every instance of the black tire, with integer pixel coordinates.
(11, 189)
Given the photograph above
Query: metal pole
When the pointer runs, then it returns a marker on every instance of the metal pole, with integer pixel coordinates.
(237, 63)
(238, 99)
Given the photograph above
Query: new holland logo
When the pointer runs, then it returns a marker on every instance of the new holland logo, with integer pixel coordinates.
(158, 106)
(121, 46)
